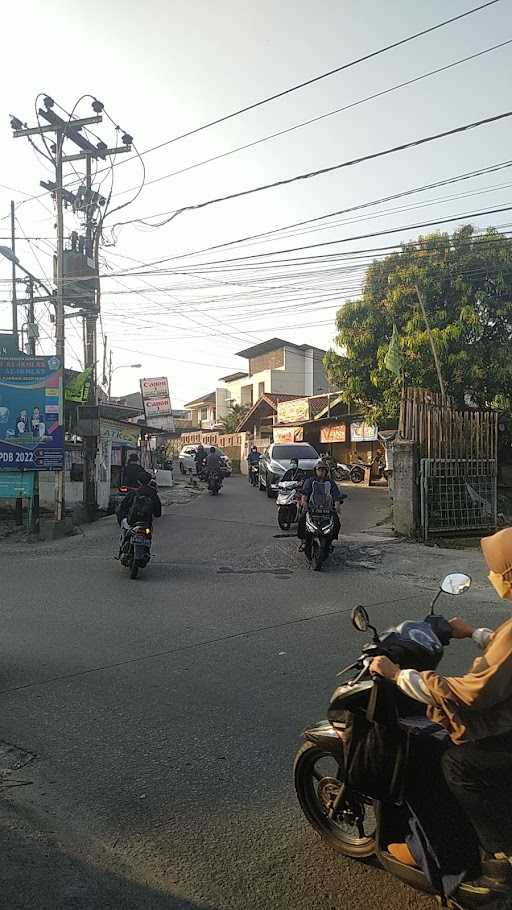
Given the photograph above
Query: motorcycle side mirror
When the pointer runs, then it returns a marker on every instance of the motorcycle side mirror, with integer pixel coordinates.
(455, 583)
(360, 619)
(361, 622)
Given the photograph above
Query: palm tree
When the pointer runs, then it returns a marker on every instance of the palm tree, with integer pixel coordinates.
(230, 422)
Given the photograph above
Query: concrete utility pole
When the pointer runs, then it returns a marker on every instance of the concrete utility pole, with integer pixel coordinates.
(31, 319)
(14, 295)
(70, 129)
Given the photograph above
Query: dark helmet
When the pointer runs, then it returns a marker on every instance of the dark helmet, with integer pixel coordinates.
(133, 457)
(294, 462)
(322, 466)
(200, 446)
(212, 449)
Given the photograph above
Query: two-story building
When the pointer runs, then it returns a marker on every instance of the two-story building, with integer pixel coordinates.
(276, 366)
(203, 411)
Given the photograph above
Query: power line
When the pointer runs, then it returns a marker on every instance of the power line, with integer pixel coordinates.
(305, 123)
(314, 79)
(320, 171)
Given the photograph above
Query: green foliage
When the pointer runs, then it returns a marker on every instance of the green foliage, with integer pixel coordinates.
(230, 422)
(466, 282)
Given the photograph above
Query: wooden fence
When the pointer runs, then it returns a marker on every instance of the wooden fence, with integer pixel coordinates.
(444, 431)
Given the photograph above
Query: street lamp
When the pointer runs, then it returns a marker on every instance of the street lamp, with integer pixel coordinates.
(122, 366)
(7, 253)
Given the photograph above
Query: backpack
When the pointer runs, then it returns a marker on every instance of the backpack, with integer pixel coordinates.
(141, 510)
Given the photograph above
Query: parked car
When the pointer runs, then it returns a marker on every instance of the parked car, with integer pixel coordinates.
(187, 460)
(276, 460)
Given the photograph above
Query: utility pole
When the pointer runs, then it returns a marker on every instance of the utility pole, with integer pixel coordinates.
(31, 319)
(71, 129)
(432, 345)
(14, 295)
(90, 319)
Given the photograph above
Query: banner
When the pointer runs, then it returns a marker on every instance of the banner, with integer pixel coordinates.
(78, 387)
(119, 433)
(296, 409)
(363, 432)
(31, 414)
(335, 433)
(288, 434)
(155, 397)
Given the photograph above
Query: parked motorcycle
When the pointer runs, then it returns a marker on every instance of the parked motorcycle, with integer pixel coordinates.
(357, 472)
(136, 547)
(254, 474)
(214, 483)
(319, 526)
(288, 503)
(339, 794)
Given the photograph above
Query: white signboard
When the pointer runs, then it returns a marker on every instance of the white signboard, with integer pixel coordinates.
(363, 432)
(155, 397)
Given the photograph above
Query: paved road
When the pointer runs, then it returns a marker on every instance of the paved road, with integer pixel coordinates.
(165, 712)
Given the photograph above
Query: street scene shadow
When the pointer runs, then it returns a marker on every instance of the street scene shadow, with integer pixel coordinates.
(37, 872)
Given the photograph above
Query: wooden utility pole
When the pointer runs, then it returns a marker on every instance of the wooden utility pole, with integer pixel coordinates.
(432, 345)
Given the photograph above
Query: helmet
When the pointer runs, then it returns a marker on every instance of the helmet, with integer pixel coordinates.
(294, 461)
(321, 465)
(212, 449)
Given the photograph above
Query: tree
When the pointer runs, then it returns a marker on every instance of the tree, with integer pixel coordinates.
(230, 422)
(466, 283)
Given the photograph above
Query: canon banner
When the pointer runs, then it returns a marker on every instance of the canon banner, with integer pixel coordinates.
(155, 397)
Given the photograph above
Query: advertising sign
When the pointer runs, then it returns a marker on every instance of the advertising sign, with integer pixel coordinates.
(155, 397)
(335, 433)
(78, 387)
(363, 432)
(288, 434)
(119, 433)
(31, 414)
(296, 409)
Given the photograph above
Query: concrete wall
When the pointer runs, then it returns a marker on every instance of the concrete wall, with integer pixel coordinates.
(405, 488)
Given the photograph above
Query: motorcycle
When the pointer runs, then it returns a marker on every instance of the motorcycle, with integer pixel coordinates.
(345, 803)
(319, 527)
(136, 547)
(288, 503)
(357, 472)
(214, 483)
(254, 473)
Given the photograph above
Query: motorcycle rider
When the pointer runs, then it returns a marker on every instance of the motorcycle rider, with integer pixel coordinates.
(321, 475)
(200, 458)
(252, 459)
(139, 506)
(134, 473)
(213, 462)
(475, 771)
(294, 472)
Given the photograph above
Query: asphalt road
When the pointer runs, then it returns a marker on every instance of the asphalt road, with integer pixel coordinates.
(165, 712)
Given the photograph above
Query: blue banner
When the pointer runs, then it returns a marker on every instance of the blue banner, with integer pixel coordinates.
(31, 414)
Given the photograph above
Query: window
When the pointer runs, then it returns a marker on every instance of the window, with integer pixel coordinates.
(246, 395)
(261, 389)
(203, 414)
(297, 450)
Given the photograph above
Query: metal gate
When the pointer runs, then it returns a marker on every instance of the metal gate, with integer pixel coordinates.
(457, 495)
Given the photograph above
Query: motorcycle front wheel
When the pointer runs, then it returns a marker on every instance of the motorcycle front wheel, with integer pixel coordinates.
(317, 555)
(357, 475)
(352, 832)
(134, 570)
(284, 518)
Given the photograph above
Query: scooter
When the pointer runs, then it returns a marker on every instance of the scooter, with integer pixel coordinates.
(349, 811)
(254, 474)
(135, 550)
(214, 483)
(288, 503)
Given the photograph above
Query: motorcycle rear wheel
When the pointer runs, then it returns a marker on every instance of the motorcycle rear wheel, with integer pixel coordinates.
(345, 834)
(357, 475)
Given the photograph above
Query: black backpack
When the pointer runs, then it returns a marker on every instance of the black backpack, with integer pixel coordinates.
(141, 510)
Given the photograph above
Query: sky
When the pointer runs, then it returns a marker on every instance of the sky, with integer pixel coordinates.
(163, 68)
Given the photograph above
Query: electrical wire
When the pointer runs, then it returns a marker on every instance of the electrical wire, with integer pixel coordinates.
(312, 120)
(320, 171)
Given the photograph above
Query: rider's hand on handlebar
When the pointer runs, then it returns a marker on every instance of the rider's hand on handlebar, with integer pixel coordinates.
(461, 629)
(385, 667)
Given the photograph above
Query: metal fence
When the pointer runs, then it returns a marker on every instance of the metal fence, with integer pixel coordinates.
(457, 495)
